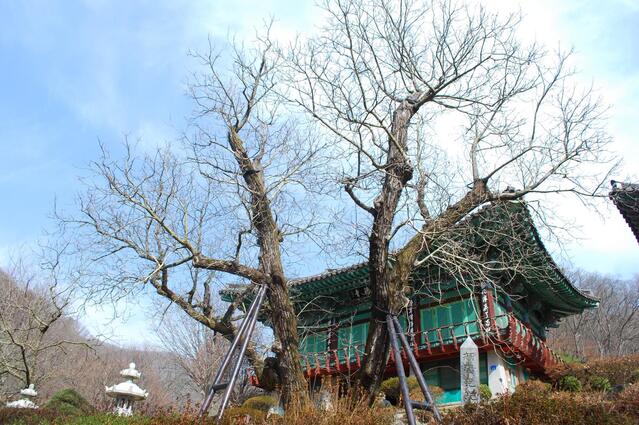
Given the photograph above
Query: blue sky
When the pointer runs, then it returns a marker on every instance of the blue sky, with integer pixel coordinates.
(74, 72)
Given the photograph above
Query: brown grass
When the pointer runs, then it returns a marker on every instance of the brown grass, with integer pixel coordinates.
(619, 371)
(535, 403)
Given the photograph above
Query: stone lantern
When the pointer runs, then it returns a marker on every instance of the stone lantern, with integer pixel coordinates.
(28, 394)
(126, 393)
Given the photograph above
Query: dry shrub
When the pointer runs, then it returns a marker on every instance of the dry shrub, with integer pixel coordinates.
(260, 402)
(435, 391)
(618, 371)
(555, 373)
(242, 415)
(627, 401)
(537, 386)
(533, 403)
(346, 410)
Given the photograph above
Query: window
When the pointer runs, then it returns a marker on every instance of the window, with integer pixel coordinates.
(350, 336)
(455, 315)
(315, 342)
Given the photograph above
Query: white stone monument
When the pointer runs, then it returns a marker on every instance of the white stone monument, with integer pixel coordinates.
(126, 393)
(469, 371)
(26, 401)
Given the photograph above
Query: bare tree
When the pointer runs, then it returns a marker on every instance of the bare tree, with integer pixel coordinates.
(88, 374)
(195, 353)
(195, 349)
(382, 80)
(385, 78)
(612, 329)
(222, 210)
(35, 329)
(42, 344)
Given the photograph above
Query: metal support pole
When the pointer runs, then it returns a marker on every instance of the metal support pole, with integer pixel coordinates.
(400, 370)
(238, 364)
(417, 371)
(229, 354)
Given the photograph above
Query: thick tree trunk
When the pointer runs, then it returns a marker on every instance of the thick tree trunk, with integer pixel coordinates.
(388, 277)
(385, 293)
(294, 387)
(283, 317)
(388, 283)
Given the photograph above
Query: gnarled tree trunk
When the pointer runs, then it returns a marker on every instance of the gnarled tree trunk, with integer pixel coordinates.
(386, 293)
(283, 317)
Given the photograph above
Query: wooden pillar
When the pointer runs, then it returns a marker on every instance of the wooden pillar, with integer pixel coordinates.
(417, 324)
(332, 336)
(490, 304)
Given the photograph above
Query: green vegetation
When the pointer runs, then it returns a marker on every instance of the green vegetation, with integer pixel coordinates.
(69, 403)
(600, 383)
(260, 402)
(484, 392)
(390, 387)
(569, 383)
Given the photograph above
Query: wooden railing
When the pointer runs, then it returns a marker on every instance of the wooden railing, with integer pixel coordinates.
(530, 345)
(505, 330)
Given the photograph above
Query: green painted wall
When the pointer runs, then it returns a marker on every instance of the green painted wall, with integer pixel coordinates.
(451, 314)
(349, 336)
(315, 342)
(445, 374)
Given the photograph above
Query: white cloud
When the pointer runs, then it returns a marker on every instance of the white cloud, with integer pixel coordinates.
(126, 323)
(120, 67)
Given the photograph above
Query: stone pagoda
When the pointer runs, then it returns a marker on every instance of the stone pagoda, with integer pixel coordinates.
(26, 402)
(127, 392)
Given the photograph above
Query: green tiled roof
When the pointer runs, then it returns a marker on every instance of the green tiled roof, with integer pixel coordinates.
(512, 222)
(492, 225)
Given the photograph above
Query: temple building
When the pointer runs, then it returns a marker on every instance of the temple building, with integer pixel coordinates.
(489, 278)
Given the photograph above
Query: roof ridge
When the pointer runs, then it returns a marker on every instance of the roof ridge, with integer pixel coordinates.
(333, 272)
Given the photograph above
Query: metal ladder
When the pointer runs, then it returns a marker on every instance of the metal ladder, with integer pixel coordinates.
(395, 330)
(243, 334)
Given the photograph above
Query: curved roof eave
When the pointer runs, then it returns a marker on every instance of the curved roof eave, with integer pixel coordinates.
(569, 293)
(559, 291)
